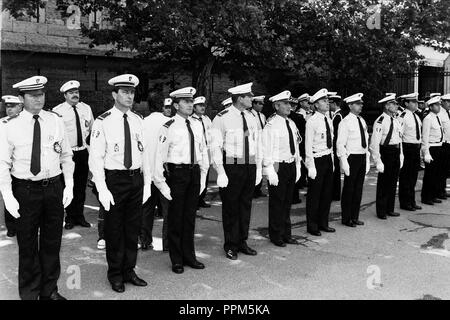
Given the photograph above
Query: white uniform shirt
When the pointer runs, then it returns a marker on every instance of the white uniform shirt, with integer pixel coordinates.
(174, 146)
(207, 124)
(409, 134)
(16, 142)
(108, 145)
(349, 136)
(444, 116)
(432, 132)
(228, 136)
(86, 120)
(152, 125)
(306, 114)
(316, 138)
(380, 132)
(260, 119)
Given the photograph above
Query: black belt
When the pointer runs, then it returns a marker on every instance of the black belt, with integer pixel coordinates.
(43, 183)
(390, 146)
(182, 166)
(131, 172)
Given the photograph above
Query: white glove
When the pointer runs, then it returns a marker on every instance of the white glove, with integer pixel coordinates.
(298, 171)
(202, 184)
(11, 204)
(428, 158)
(147, 193)
(258, 177)
(345, 166)
(222, 180)
(165, 191)
(380, 166)
(402, 158)
(67, 195)
(106, 199)
(312, 173)
(367, 164)
(272, 176)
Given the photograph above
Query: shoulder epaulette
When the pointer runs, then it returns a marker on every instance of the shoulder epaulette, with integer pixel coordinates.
(380, 120)
(5, 120)
(169, 123)
(55, 113)
(221, 113)
(137, 113)
(402, 115)
(104, 115)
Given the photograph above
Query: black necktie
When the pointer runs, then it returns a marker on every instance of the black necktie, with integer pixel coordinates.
(291, 138)
(35, 166)
(362, 132)
(329, 145)
(127, 152)
(204, 130)
(440, 126)
(77, 120)
(417, 127)
(260, 121)
(246, 133)
(191, 134)
(389, 135)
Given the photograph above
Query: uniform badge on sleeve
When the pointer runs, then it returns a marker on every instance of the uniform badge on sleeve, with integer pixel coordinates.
(116, 148)
(96, 134)
(162, 139)
(57, 147)
(86, 123)
(140, 146)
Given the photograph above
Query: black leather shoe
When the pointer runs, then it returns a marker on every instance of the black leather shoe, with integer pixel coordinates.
(203, 204)
(291, 241)
(196, 265)
(349, 224)
(11, 234)
(408, 208)
(118, 286)
(279, 243)
(393, 214)
(230, 254)
(358, 222)
(69, 225)
(248, 251)
(54, 296)
(315, 233)
(415, 206)
(178, 268)
(84, 224)
(428, 202)
(328, 229)
(436, 200)
(382, 217)
(135, 280)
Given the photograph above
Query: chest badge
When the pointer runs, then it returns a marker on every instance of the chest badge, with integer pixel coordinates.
(116, 148)
(57, 147)
(86, 123)
(140, 146)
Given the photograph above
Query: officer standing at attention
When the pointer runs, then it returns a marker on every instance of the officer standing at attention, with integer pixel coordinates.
(281, 162)
(353, 152)
(387, 154)
(78, 120)
(338, 115)
(33, 148)
(200, 115)
(319, 161)
(257, 107)
(122, 178)
(432, 138)
(411, 142)
(12, 107)
(444, 115)
(183, 154)
(236, 154)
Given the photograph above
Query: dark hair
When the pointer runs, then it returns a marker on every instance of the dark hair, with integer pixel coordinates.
(235, 97)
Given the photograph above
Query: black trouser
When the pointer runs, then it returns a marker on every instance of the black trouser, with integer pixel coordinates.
(101, 216)
(10, 222)
(431, 186)
(237, 204)
(318, 200)
(201, 198)
(123, 222)
(353, 188)
(445, 160)
(39, 232)
(408, 174)
(184, 183)
(74, 211)
(148, 216)
(336, 180)
(280, 199)
(387, 181)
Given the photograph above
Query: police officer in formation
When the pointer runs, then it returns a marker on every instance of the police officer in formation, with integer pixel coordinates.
(78, 120)
(122, 178)
(444, 115)
(281, 161)
(353, 153)
(257, 107)
(182, 153)
(34, 151)
(236, 156)
(338, 115)
(387, 154)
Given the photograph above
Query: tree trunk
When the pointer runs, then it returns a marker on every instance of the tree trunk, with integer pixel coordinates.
(201, 79)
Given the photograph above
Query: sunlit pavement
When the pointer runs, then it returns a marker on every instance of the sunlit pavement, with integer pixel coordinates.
(406, 257)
